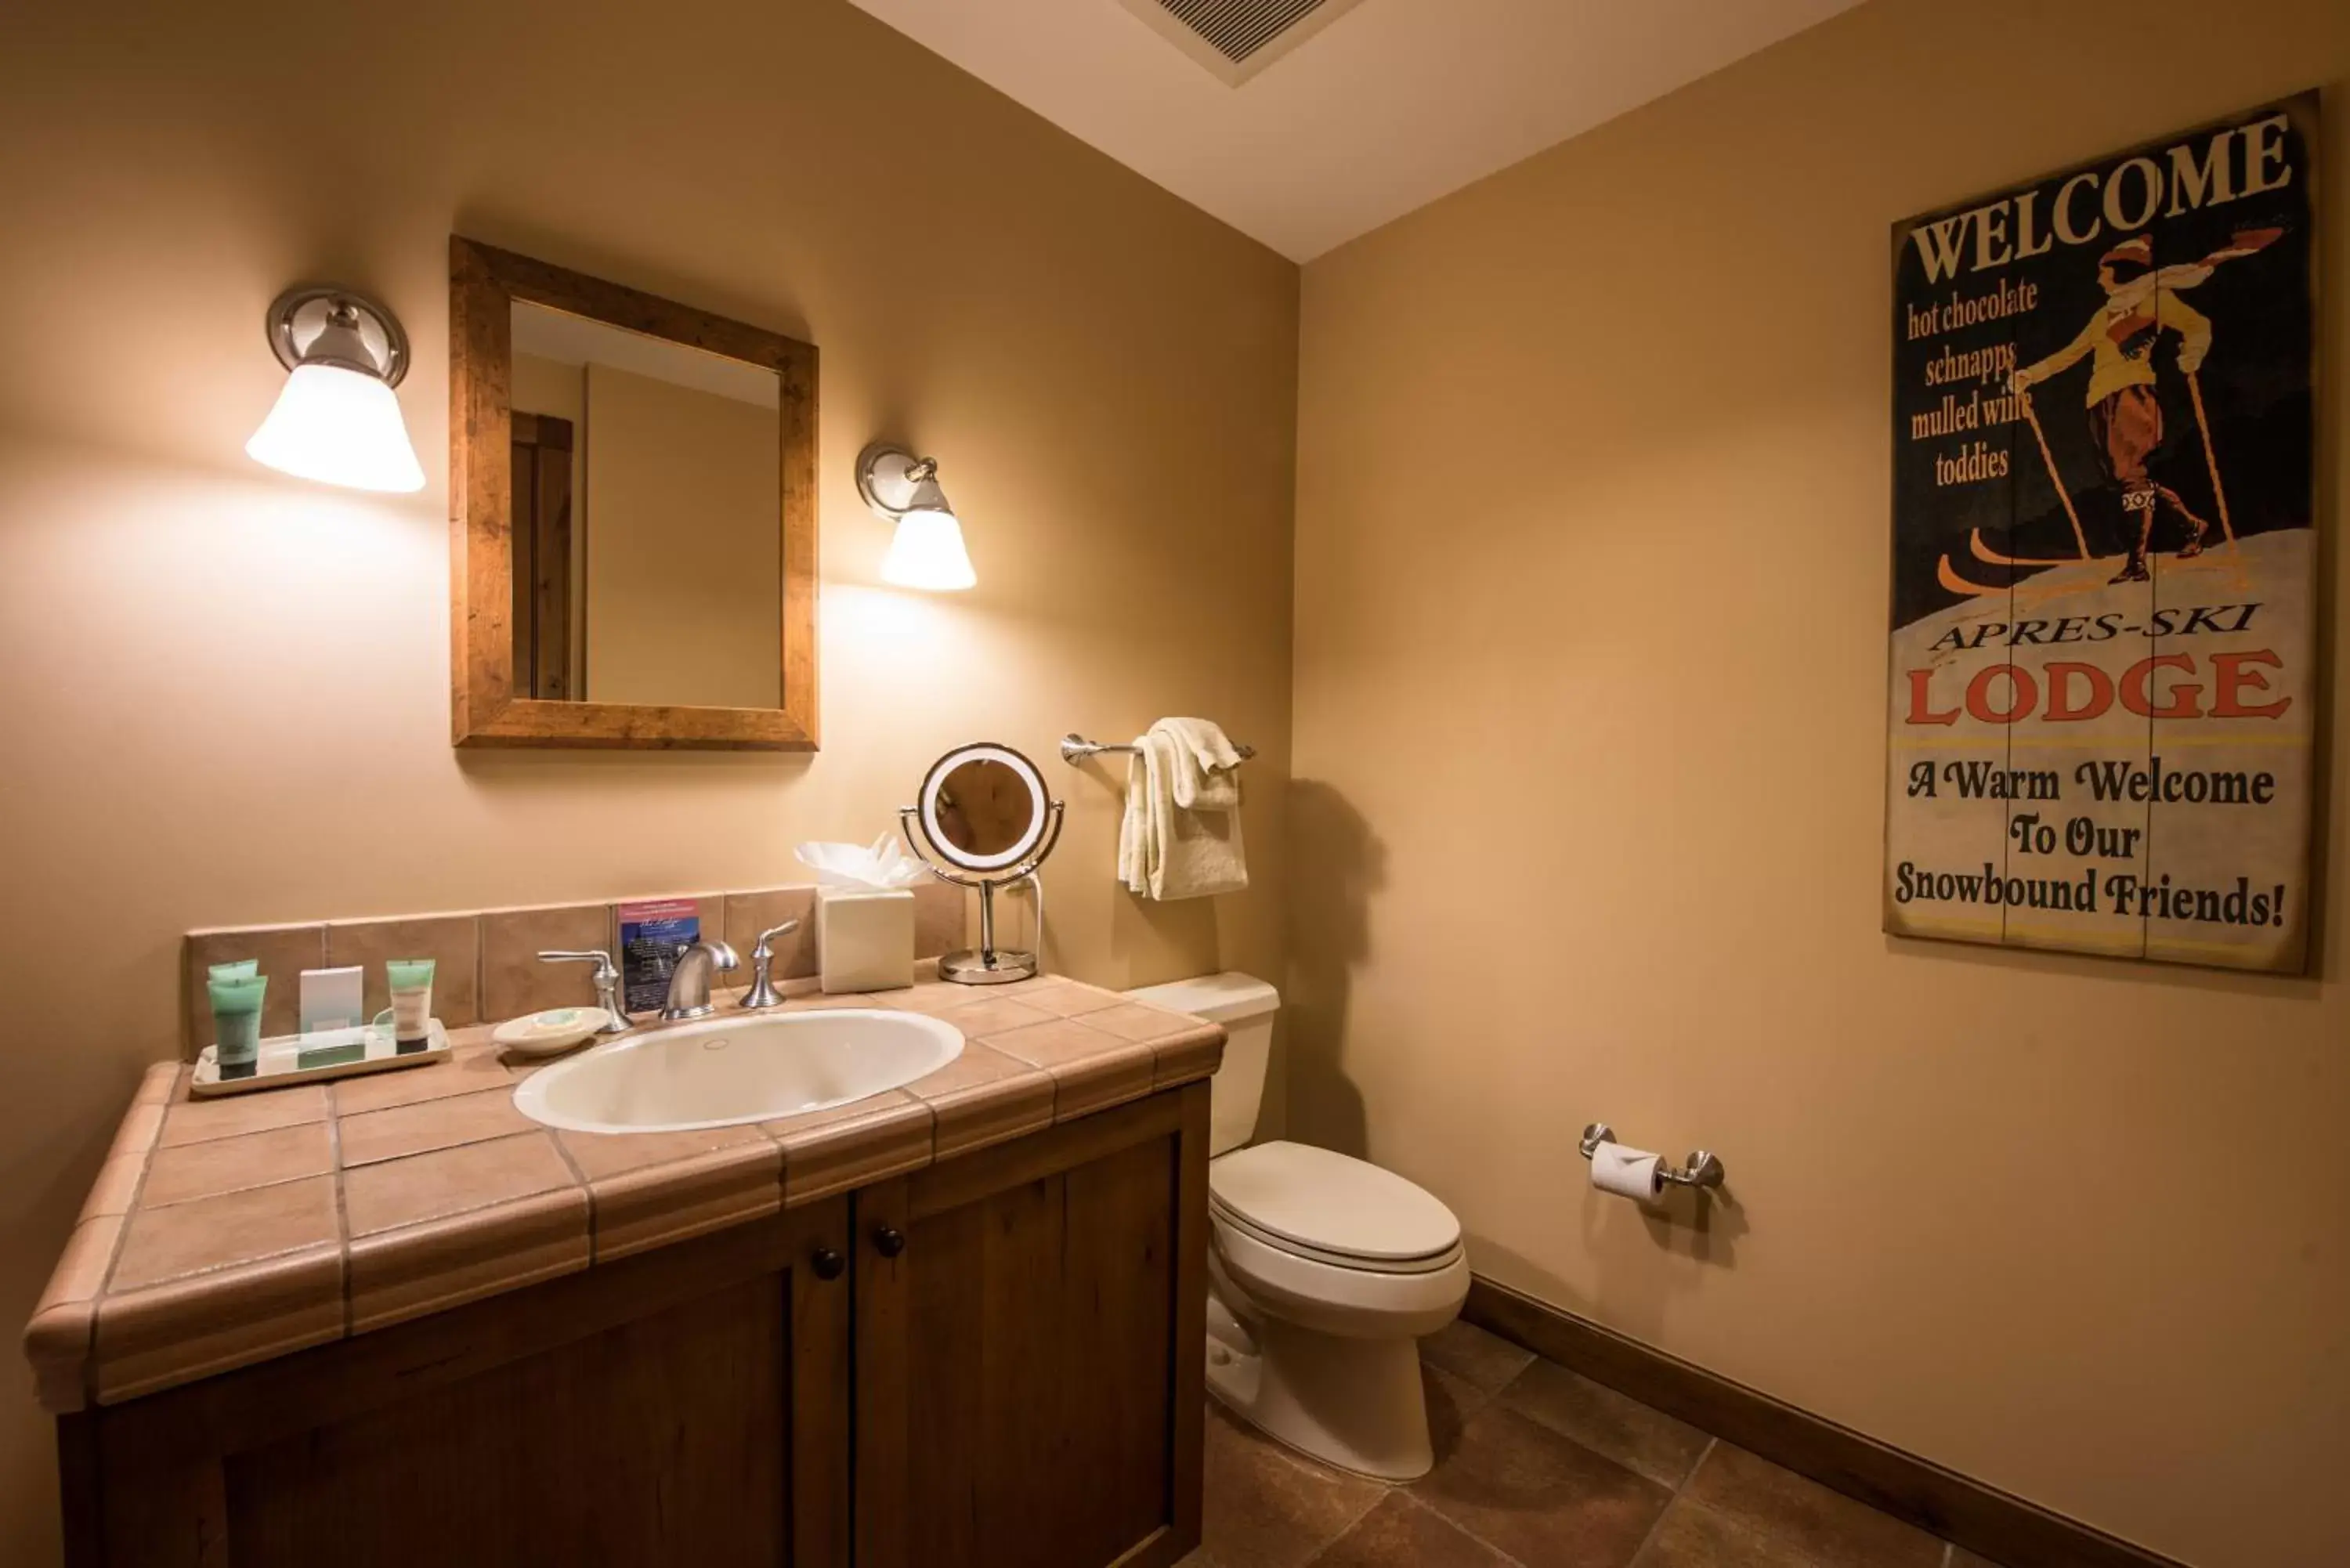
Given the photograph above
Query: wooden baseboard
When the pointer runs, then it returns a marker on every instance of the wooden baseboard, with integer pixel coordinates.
(1985, 1520)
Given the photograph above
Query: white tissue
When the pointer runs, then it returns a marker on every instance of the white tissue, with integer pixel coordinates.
(1627, 1172)
(881, 864)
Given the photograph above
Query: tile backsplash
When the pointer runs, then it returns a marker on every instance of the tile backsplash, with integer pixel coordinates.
(486, 967)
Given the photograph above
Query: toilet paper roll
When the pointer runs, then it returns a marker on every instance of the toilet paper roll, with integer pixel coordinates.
(1627, 1172)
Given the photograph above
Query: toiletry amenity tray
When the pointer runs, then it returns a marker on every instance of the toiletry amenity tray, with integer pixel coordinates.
(313, 1058)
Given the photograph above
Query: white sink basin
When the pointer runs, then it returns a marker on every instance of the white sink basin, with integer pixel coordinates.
(726, 1070)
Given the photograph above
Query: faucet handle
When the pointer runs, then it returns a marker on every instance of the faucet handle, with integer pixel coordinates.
(763, 993)
(607, 981)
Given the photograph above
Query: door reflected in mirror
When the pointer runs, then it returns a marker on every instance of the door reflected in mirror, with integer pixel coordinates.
(648, 534)
(985, 808)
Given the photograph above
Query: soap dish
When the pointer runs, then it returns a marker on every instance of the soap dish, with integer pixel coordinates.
(558, 1028)
(316, 1057)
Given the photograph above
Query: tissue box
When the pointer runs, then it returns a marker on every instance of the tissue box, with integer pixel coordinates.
(864, 938)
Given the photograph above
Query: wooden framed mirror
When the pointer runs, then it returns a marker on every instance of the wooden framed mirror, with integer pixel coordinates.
(632, 507)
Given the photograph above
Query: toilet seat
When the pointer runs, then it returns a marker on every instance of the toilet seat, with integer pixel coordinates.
(1320, 1205)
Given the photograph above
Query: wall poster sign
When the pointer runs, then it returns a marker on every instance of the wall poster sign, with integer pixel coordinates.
(2104, 693)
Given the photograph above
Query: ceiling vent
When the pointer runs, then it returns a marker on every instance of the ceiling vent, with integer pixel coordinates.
(1237, 38)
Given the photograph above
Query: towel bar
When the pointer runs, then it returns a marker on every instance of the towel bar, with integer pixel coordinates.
(1703, 1170)
(1077, 748)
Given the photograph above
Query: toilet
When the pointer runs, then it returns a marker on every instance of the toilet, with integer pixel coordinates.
(1323, 1271)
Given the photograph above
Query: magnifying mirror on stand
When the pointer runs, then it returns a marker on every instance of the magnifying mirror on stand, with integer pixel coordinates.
(984, 811)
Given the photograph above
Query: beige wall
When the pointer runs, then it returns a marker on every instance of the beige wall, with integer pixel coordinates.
(1591, 579)
(682, 544)
(227, 691)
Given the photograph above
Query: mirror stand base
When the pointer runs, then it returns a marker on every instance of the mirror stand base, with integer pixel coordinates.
(975, 966)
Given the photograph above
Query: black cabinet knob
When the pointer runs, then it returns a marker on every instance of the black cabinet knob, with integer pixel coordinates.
(888, 1241)
(827, 1264)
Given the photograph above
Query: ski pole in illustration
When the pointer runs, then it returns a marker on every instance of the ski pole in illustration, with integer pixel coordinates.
(2054, 478)
(2211, 458)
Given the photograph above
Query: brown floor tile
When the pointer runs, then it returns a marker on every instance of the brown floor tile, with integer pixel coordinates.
(1825, 1528)
(1615, 1425)
(1962, 1558)
(1480, 1359)
(1401, 1533)
(1267, 1507)
(1451, 1404)
(429, 1124)
(233, 1164)
(1693, 1536)
(1540, 1498)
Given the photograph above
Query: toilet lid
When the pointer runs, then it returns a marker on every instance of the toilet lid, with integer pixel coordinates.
(1331, 1203)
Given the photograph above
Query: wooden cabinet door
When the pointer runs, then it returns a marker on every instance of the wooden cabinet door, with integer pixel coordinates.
(1030, 1348)
(687, 1405)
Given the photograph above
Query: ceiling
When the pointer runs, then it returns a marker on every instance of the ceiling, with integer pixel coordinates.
(1395, 103)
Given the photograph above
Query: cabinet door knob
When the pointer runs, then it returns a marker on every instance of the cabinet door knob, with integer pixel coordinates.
(888, 1241)
(826, 1263)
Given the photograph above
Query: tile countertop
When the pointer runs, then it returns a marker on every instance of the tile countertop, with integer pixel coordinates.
(222, 1232)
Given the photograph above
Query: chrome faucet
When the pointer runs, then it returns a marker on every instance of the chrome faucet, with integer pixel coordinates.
(607, 981)
(763, 993)
(689, 982)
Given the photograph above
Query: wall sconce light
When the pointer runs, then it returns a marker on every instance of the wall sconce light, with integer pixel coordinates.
(927, 552)
(337, 420)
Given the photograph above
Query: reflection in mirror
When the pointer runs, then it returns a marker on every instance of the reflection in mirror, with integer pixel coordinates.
(985, 808)
(648, 537)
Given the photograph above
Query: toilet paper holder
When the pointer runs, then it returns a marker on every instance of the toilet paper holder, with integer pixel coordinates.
(1704, 1170)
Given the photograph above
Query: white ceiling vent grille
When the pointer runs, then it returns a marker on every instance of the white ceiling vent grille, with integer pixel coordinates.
(1237, 38)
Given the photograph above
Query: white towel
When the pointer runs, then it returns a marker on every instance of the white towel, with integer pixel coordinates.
(1207, 764)
(1166, 850)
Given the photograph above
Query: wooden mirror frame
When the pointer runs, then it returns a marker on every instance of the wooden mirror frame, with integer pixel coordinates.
(484, 711)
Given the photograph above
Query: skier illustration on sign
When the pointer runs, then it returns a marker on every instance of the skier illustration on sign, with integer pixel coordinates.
(2124, 409)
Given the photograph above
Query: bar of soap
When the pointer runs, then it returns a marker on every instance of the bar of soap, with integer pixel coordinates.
(331, 999)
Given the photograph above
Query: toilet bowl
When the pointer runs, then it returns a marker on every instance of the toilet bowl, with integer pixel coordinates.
(1323, 1271)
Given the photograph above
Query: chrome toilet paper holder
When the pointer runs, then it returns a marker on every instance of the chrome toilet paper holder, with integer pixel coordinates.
(1704, 1170)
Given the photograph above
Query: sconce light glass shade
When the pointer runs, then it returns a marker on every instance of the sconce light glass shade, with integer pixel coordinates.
(338, 427)
(927, 551)
(337, 419)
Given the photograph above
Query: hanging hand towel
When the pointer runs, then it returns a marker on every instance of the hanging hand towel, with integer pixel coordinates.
(1166, 851)
(1207, 764)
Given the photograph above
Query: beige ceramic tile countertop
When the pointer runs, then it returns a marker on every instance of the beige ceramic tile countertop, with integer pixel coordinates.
(223, 1232)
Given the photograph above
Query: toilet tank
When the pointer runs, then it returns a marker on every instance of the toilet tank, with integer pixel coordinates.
(1245, 1005)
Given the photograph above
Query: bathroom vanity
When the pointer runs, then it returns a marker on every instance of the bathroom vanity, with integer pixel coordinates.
(958, 1323)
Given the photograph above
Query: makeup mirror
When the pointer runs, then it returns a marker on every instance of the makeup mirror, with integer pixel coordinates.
(983, 810)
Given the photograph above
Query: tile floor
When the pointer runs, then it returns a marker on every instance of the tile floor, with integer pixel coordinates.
(1538, 1466)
